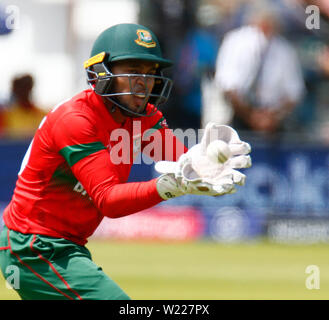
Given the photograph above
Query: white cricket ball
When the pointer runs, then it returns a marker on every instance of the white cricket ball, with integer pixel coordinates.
(218, 151)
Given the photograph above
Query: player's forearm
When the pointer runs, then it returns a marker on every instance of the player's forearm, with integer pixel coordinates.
(124, 199)
(104, 184)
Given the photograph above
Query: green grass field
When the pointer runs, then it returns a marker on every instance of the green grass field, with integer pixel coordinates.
(207, 270)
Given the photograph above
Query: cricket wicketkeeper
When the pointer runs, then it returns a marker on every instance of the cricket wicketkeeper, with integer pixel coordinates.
(76, 168)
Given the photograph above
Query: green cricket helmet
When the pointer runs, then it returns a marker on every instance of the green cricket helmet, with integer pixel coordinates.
(127, 42)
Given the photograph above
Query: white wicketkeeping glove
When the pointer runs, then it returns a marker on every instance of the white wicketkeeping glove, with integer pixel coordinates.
(169, 186)
(195, 173)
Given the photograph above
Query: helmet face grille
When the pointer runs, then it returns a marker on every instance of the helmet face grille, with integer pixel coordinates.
(101, 80)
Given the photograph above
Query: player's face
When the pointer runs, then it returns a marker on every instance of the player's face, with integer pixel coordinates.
(140, 86)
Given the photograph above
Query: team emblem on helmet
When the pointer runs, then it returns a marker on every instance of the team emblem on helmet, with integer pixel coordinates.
(145, 39)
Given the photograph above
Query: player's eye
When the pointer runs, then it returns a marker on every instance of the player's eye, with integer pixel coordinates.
(133, 71)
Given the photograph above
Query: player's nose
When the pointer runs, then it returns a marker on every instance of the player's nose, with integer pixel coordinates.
(143, 83)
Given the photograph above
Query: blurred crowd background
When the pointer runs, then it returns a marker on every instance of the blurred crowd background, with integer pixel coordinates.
(261, 66)
(277, 72)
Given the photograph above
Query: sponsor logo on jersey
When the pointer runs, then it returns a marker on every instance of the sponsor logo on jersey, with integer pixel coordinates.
(80, 189)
